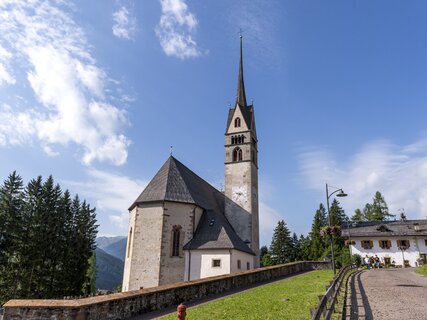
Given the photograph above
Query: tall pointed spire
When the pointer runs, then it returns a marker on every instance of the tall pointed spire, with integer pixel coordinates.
(241, 95)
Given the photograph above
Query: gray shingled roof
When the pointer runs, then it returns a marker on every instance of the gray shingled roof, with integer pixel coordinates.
(385, 228)
(175, 182)
(215, 232)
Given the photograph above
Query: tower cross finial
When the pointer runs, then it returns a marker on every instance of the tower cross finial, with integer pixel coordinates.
(171, 150)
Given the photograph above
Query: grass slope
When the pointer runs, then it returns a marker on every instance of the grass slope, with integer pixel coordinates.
(290, 298)
(422, 270)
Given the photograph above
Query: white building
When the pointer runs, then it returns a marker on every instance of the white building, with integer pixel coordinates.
(181, 228)
(392, 241)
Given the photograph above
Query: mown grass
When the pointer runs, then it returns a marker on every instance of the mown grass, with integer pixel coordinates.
(422, 270)
(290, 298)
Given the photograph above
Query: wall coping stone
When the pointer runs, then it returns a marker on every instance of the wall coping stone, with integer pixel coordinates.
(91, 302)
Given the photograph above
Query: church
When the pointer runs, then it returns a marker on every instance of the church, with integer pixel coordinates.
(181, 228)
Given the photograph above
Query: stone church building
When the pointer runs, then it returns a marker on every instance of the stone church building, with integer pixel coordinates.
(181, 228)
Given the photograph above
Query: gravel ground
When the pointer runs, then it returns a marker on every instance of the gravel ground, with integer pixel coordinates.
(389, 294)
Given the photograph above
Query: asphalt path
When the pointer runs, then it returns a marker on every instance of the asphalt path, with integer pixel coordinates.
(389, 294)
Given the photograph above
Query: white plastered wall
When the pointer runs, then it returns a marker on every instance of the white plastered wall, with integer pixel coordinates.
(199, 263)
(412, 254)
(244, 258)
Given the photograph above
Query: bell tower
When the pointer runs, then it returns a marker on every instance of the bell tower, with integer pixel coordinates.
(241, 165)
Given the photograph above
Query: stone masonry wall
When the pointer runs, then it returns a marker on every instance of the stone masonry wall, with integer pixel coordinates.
(124, 305)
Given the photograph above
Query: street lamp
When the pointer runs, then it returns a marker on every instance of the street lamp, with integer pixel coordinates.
(341, 193)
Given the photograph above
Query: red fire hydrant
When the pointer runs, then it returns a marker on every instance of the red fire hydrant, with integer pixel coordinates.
(182, 312)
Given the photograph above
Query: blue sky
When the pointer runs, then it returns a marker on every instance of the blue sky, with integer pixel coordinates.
(96, 92)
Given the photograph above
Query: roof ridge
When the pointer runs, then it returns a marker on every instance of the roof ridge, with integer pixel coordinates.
(175, 162)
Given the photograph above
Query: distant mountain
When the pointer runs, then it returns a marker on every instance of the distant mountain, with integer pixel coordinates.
(102, 242)
(109, 270)
(117, 249)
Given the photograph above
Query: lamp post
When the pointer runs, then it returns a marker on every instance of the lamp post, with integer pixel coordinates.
(340, 194)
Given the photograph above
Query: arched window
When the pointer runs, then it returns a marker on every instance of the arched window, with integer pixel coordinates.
(233, 140)
(129, 241)
(243, 139)
(237, 154)
(237, 122)
(176, 235)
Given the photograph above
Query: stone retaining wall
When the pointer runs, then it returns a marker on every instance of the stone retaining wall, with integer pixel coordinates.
(124, 305)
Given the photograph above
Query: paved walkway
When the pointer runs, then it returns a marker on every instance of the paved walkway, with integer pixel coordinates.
(389, 294)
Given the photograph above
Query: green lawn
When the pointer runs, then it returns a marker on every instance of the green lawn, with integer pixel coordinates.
(290, 298)
(422, 270)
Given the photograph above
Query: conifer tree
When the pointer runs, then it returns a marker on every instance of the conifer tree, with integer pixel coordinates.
(317, 246)
(265, 257)
(281, 244)
(295, 248)
(358, 216)
(46, 241)
(337, 217)
(11, 204)
(375, 211)
(305, 248)
(379, 209)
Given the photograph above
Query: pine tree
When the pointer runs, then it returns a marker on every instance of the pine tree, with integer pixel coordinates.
(305, 248)
(265, 257)
(379, 209)
(337, 217)
(281, 244)
(337, 214)
(375, 211)
(11, 204)
(295, 248)
(46, 241)
(317, 246)
(358, 216)
(89, 286)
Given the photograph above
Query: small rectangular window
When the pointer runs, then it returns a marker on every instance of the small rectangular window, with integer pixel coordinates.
(239, 264)
(403, 244)
(385, 244)
(367, 244)
(425, 242)
(248, 265)
(216, 263)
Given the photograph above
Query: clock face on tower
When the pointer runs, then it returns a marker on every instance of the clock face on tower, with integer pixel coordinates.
(239, 194)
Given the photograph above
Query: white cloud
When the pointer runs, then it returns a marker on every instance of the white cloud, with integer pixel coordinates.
(175, 30)
(112, 193)
(52, 50)
(269, 217)
(398, 172)
(10, 121)
(5, 76)
(124, 24)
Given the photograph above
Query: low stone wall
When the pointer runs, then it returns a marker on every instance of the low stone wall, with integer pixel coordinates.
(127, 304)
